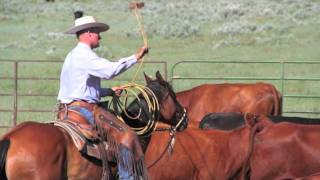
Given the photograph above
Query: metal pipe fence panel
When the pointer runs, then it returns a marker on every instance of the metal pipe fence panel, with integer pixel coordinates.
(29, 88)
(298, 81)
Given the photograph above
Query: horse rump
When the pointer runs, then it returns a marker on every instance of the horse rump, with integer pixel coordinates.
(4, 146)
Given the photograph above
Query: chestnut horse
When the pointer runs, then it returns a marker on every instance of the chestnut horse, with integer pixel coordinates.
(259, 98)
(34, 150)
(284, 150)
(198, 154)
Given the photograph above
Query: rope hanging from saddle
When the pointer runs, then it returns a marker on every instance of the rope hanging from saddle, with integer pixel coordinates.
(150, 98)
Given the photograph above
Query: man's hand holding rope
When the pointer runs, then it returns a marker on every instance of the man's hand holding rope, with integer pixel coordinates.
(141, 52)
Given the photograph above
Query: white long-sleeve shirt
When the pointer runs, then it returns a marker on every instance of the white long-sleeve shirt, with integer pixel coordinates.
(82, 72)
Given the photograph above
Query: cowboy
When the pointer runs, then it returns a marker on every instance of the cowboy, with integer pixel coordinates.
(83, 70)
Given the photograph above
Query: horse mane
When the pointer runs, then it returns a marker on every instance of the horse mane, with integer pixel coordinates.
(159, 88)
(155, 86)
(135, 106)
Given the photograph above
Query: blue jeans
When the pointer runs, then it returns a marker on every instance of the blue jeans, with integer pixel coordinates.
(122, 171)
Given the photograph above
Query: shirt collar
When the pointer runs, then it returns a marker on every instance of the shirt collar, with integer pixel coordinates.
(83, 45)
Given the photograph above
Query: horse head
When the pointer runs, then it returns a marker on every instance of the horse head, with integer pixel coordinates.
(170, 110)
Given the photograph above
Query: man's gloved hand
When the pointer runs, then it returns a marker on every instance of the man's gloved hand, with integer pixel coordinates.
(141, 52)
(117, 90)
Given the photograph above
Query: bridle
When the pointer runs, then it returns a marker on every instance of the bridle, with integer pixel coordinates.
(172, 133)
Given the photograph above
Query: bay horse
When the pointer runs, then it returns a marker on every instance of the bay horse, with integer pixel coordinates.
(232, 120)
(284, 151)
(258, 98)
(35, 150)
(187, 153)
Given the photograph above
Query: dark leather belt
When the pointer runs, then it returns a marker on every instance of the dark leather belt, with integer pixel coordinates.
(89, 106)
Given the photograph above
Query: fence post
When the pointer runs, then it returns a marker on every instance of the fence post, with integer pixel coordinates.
(282, 77)
(15, 94)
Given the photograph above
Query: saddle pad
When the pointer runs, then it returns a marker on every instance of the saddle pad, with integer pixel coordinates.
(79, 140)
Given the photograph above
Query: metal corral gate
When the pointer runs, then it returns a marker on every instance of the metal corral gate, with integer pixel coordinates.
(31, 86)
(298, 81)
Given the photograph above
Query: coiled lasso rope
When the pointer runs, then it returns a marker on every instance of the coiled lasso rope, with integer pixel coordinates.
(151, 100)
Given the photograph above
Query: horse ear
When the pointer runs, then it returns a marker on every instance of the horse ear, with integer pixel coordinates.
(159, 76)
(250, 119)
(147, 78)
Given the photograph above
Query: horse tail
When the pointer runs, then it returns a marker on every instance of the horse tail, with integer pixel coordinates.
(4, 146)
(277, 109)
(256, 128)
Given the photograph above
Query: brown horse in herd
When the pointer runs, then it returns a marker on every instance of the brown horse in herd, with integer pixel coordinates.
(283, 147)
(201, 154)
(259, 98)
(198, 154)
(285, 151)
(34, 150)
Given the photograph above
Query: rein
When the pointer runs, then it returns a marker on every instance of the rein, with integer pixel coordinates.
(172, 132)
(169, 145)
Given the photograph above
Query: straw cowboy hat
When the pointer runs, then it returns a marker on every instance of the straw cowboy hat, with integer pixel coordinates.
(87, 22)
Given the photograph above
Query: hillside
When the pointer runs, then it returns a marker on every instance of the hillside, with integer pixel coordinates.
(182, 29)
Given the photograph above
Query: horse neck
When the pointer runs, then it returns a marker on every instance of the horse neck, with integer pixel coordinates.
(133, 110)
(221, 154)
(184, 97)
(144, 142)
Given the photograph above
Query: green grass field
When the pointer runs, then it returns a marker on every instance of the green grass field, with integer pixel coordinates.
(180, 30)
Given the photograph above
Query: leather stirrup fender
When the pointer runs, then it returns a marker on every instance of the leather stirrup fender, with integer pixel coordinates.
(101, 116)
